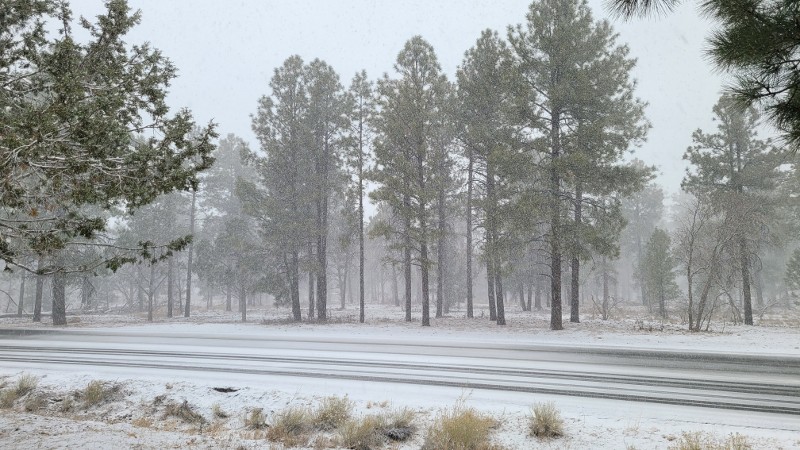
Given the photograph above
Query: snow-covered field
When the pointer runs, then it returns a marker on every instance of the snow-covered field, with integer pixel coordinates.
(135, 416)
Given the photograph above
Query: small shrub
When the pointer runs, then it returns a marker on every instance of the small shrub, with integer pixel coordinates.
(704, 441)
(26, 383)
(254, 421)
(7, 398)
(34, 403)
(460, 428)
(67, 404)
(96, 393)
(546, 422)
(332, 413)
(290, 427)
(218, 412)
(183, 412)
(142, 422)
(364, 434)
(399, 425)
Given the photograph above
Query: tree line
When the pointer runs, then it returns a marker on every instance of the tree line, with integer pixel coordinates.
(519, 168)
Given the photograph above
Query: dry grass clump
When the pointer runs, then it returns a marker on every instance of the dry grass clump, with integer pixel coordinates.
(545, 421)
(332, 413)
(255, 420)
(218, 412)
(364, 434)
(184, 412)
(460, 428)
(26, 383)
(398, 425)
(97, 392)
(143, 422)
(7, 398)
(704, 441)
(34, 403)
(372, 431)
(67, 404)
(290, 426)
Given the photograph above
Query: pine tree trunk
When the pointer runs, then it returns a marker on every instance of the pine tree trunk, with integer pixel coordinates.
(746, 296)
(21, 302)
(361, 303)
(470, 170)
(490, 288)
(555, 225)
(311, 298)
(407, 266)
(395, 286)
(151, 292)
(499, 298)
(188, 303)
(343, 293)
(521, 291)
(574, 315)
(243, 301)
(640, 271)
(170, 294)
(229, 298)
(530, 296)
(37, 302)
(605, 290)
(537, 297)
(294, 281)
(59, 311)
(440, 255)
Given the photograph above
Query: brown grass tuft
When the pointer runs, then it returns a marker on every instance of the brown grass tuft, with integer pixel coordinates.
(460, 428)
(97, 392)
(546, 422)
(26, 383)
(290, 426)
(705, 441)
(332, 413)
(184, 412)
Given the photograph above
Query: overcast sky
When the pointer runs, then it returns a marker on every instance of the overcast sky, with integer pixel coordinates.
(226, 52)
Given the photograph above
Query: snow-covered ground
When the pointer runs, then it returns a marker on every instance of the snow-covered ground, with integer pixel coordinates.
(135, 417)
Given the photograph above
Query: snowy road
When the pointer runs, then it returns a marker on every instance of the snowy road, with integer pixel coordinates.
(768, 384)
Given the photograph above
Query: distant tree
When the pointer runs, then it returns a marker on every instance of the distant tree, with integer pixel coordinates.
(484, 90)
(792, 276)
(578, 114)
(361, 111)
(326, 121)
(735, 171)
(642, 211)
(659, 278)
(409, 110)
(68, 111)
(280, 199)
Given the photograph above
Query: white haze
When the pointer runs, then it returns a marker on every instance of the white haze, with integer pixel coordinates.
(226, 52)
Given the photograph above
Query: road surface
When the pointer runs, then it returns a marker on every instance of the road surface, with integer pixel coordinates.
(765, 384)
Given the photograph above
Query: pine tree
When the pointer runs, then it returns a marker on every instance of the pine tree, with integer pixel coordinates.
(734, 171)
(409, 107)
(326, 121)
(361, 111)
(68, 110)
(580, 116)
(658, 265)
(281, 198)
(757, 42)
(484, 88)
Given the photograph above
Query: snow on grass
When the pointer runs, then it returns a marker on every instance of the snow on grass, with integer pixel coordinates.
(138, 419)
